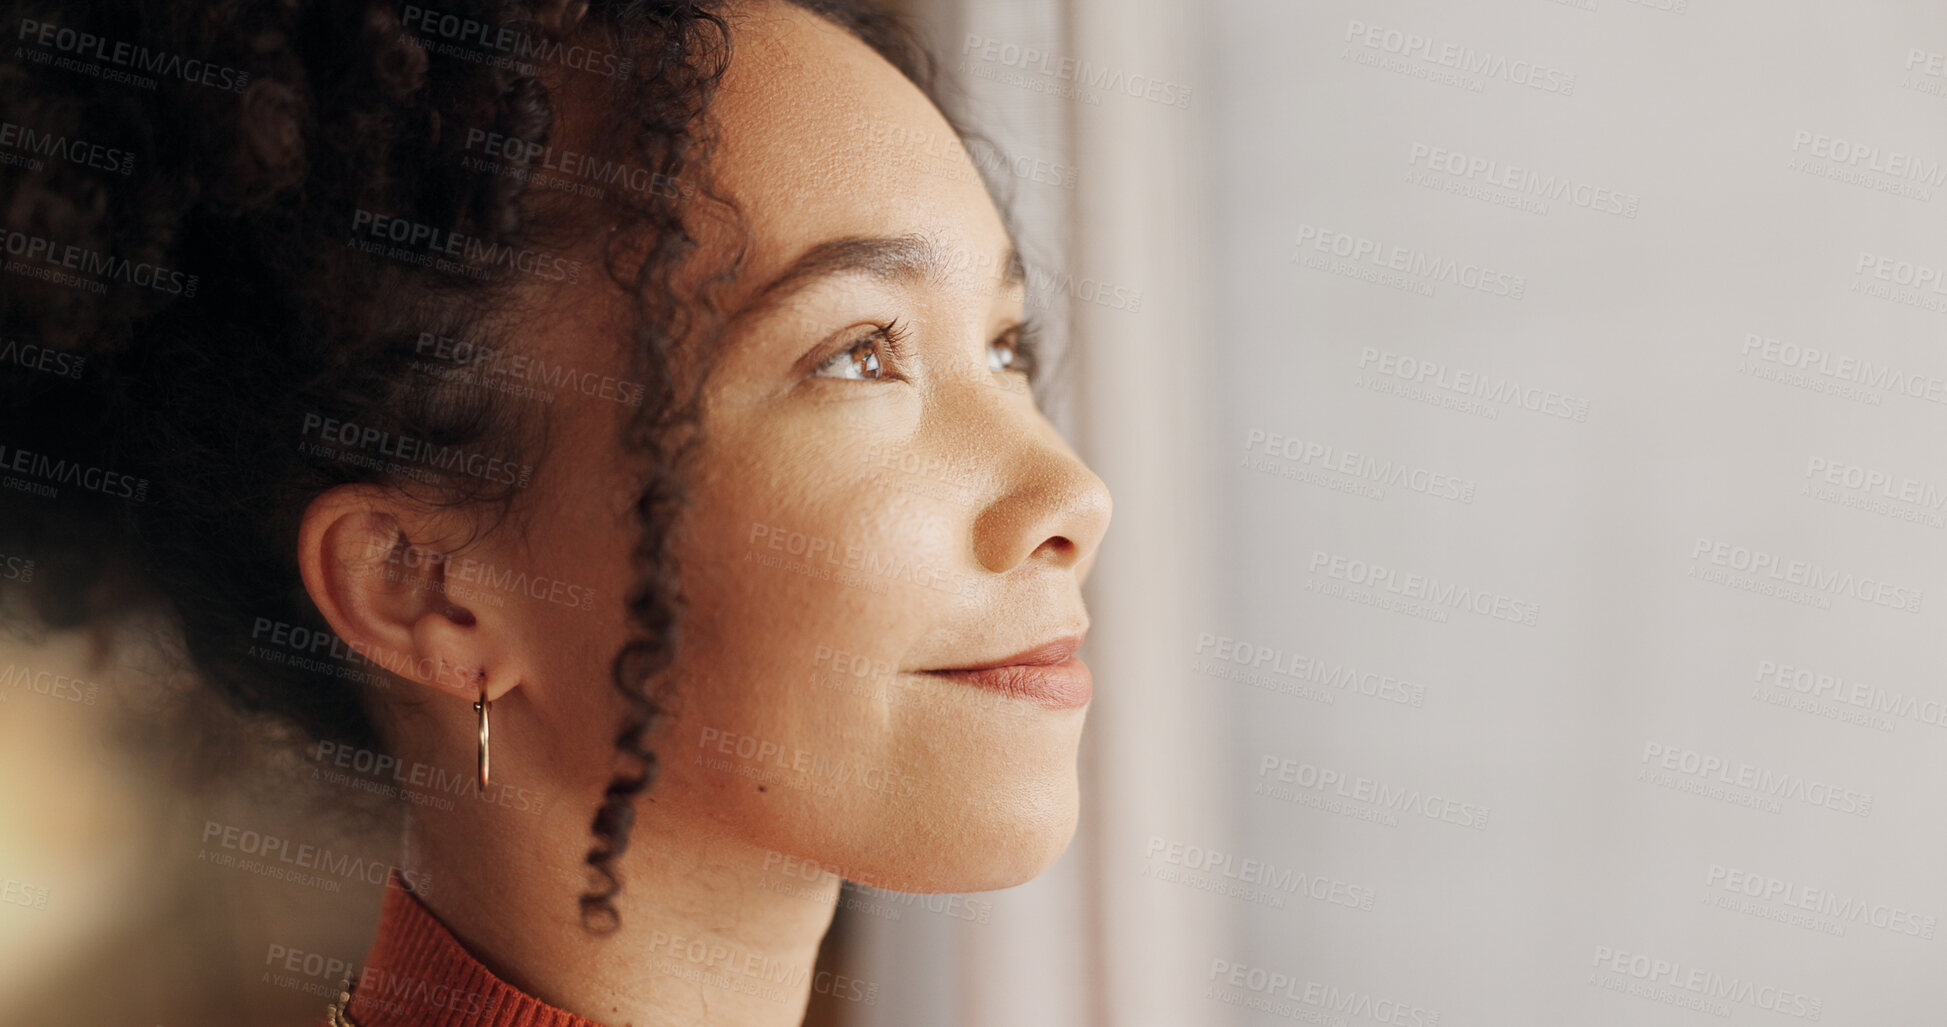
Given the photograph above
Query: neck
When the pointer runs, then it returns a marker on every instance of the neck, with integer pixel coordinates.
(712, 929)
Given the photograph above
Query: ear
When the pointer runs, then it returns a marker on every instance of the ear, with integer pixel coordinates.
(373, 562)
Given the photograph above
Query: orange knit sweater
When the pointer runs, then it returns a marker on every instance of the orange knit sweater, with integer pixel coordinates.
(418, 975)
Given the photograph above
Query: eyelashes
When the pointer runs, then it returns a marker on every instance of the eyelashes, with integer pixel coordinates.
(874, 356)
(881, 353)
(1024, 343)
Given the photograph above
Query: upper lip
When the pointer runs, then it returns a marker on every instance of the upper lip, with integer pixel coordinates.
(1047, 654)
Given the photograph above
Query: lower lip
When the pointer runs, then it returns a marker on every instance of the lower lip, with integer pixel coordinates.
(1057, 686)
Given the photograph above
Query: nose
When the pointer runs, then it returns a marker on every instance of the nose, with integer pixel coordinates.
(1049, 506)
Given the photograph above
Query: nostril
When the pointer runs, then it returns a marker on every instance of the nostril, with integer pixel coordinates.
(1059, 544)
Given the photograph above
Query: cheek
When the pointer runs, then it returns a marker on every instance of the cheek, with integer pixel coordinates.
(808, 552)
(799, 562)
(815, 579)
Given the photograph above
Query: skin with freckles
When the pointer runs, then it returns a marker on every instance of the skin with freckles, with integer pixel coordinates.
(877, 496)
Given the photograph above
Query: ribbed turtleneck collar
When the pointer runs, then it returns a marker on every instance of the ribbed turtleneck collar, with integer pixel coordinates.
(418, 975)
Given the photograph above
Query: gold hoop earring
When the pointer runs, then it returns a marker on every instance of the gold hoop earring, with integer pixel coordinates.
(480, 707)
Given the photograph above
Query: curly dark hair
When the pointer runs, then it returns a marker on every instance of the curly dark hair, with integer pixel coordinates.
(202, 202)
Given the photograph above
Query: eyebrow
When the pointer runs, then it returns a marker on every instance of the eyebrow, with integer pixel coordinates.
(887, 257)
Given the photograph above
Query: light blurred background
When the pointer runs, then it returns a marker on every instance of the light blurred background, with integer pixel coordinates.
(1524, 599)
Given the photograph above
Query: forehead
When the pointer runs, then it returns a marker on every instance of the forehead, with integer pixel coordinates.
(819, 138)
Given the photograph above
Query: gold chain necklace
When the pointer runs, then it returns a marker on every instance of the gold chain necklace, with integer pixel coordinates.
(339, 1015)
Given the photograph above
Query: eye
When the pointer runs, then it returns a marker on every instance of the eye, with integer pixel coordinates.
(866, 359)
(1013, 350)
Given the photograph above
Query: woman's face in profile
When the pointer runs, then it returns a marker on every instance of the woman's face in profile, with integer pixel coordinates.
(876, 496)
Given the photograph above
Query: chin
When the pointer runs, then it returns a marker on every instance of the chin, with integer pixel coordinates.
(998, 835)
